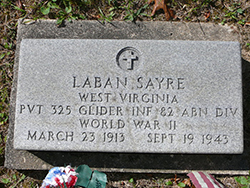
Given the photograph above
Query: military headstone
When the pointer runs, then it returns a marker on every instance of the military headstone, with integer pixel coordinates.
(179, 100)
(155, 96)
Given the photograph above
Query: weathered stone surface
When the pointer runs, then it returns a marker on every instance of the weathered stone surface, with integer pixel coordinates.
(128, 162)
(129, 96)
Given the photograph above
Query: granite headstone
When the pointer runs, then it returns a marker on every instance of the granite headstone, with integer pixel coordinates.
(153, 96)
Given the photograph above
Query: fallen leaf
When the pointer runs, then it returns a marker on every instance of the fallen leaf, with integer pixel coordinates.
(19, 4)
(207, 15)
(175, 179)
(187, 182)
(95, 16)
(162, 4)
(247, 23)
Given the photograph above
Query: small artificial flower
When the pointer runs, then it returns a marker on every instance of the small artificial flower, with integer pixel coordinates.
(59, 177)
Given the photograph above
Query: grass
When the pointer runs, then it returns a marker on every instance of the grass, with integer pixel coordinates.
(235, 13)
(243, 181)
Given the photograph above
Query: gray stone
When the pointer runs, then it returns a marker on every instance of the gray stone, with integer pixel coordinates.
(128, 162)
(129, 96)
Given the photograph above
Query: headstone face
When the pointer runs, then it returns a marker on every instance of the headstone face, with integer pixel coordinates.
(150, 96)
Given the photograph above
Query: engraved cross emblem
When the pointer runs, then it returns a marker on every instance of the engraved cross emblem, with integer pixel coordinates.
(130, 57)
